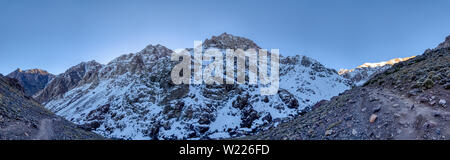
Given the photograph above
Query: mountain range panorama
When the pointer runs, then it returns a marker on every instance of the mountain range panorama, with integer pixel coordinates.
(132, 97)
(33, 80)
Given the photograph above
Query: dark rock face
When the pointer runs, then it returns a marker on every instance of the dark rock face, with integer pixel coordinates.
(98, 114)
(158, 51)
(306, 62)
(228, 41)
(82, 73)
(241, 101)
(364, 72)
(248, 116)
(90, 126)
(33, 80)
(13, 83)
(22, 118)
(267, 118)
(318, 104)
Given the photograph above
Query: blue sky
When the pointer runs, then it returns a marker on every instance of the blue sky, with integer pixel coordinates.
(56, 34)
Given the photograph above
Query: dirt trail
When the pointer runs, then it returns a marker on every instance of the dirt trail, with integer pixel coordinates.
(45, 130)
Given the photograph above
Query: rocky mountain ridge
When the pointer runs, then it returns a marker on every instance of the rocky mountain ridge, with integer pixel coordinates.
(33, 80)
(133, 97)
(364, 72)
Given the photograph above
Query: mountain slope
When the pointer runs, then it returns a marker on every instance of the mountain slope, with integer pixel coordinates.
(364, 72)
(33, 80)
(133, 97)
(444, 44)
(407, 101)
(22, 118)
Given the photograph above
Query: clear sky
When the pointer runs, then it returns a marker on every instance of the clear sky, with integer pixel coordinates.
(57, 34)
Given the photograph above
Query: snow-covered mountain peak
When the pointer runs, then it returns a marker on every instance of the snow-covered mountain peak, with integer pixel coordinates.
(82, 73)
(364, 72)
(228, 41)
(380, 64)
(32, 80)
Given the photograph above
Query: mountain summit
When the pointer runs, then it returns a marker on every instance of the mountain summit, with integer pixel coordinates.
(364, 72)
(22, 118)
(444, 44)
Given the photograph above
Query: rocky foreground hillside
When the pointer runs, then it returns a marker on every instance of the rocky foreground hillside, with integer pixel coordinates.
(22, 118)
(407, 101)
(82, 73)
(33, 80)
(133, 97)
(366, 71)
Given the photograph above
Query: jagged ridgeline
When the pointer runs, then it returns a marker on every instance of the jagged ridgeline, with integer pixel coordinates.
(364, 72)
(33, 80)
(22, 118)
(133, 97)
(407, 101)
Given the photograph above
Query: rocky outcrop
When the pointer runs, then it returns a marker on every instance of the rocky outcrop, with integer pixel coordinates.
(33, 80)
(406, 101)
(364, 72)
(228, 41)
(143, 103)
(22, 118)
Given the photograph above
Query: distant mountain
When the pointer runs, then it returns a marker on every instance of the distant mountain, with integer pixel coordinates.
(444, 44)
(22, 118)
(133, 97)
(407, 101)
(33, 80)
(364, 72)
